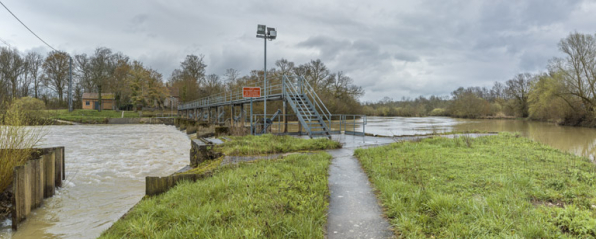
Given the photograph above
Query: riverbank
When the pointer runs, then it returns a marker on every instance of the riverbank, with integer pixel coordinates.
(492, 186)
(283, 197)
(106, 116)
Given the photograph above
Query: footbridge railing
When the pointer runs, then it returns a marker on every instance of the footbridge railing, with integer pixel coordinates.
(233, 96)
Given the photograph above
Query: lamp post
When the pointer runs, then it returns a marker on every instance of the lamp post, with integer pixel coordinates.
(265, 33)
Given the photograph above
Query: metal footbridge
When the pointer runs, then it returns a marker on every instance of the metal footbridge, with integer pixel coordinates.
(311, 116)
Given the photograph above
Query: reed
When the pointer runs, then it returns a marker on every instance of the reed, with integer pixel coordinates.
(16, 143)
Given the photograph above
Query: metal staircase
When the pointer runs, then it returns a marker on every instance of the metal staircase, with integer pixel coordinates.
(309, 108)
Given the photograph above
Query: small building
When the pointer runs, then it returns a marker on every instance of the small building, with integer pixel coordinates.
(91, 101)
(171, 101)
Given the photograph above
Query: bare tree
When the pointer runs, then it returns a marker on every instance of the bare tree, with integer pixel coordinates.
(12, 65)
(518, 89)
(317, 74)
(342, 86)
(56, 72)
(190, 77)
(34, 62)
(578, 68)
(232, 75)
(102, 68)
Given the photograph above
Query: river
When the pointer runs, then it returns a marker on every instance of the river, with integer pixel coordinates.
(106, 167)
(578, 140)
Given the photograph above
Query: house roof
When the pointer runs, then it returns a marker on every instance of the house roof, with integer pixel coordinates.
(104, 96)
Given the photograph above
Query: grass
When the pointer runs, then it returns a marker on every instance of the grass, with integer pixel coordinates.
(90, 116)
(95, 117)
(271, 144)
(284, 198)
(502, 186)
(205, 166)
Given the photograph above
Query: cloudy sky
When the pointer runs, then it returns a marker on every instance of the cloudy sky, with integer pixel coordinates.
(390, 48)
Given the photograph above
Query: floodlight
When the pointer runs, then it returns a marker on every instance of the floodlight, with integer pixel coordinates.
(272, 34)
(261, 29)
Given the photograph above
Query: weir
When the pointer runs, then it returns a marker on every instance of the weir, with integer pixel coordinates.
(310, 115)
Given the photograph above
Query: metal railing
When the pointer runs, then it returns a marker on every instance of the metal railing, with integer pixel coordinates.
(231, 96)
(302, 87)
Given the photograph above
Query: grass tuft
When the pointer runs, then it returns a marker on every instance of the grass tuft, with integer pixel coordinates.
(271, 144)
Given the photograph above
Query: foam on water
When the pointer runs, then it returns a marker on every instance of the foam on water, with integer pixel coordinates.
(106, 166)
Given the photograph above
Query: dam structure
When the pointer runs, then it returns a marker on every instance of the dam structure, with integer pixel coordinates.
(309, 114)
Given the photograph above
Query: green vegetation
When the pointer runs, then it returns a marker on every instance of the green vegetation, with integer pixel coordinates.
(284, 198)
(30, 111)
(494, 186)
(205, 167)
(90, 116)
(16, 141)
(271, 144)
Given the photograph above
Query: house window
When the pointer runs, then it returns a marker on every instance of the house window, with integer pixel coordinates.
(86, 102)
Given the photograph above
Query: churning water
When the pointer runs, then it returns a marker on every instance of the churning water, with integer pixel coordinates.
(106, 167)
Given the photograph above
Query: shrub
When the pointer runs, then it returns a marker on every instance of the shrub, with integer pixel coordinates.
(16, 143)
(31, 111)
(438, 112)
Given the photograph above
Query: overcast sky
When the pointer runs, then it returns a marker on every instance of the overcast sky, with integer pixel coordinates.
(390, 48)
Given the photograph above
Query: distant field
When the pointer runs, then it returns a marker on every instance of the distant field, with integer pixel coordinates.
(502, 186)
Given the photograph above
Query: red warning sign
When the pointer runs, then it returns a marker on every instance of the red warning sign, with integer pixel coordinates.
(250, 92)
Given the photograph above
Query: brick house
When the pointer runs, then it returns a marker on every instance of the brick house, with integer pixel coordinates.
(91, 101)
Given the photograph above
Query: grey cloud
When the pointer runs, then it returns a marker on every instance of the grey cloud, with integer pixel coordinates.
(404, 56)
(391, 48)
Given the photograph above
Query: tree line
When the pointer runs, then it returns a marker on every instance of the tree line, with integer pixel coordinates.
(336, 89)
(47, 77)
(565, 92)
(136, 85)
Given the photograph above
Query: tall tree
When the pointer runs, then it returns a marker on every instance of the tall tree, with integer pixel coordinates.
(56, 72)
(12, 65)
(317, 74)
(518, 89)
(119, 86)
(190, 77)
(34, 63)
(578, 68)
(102, 69)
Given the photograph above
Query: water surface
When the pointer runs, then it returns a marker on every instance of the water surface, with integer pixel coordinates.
(106, 167)
(577, 140)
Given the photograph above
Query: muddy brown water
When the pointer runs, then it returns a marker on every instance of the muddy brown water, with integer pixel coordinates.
(577, 140)
(106, 165)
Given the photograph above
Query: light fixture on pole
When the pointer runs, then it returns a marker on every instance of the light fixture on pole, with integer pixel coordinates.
(266, 33)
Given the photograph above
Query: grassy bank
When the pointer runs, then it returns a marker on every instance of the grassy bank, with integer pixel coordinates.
(495, 186)
(284, 198)
(89, 116)
(96, 117)
(270, 144)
